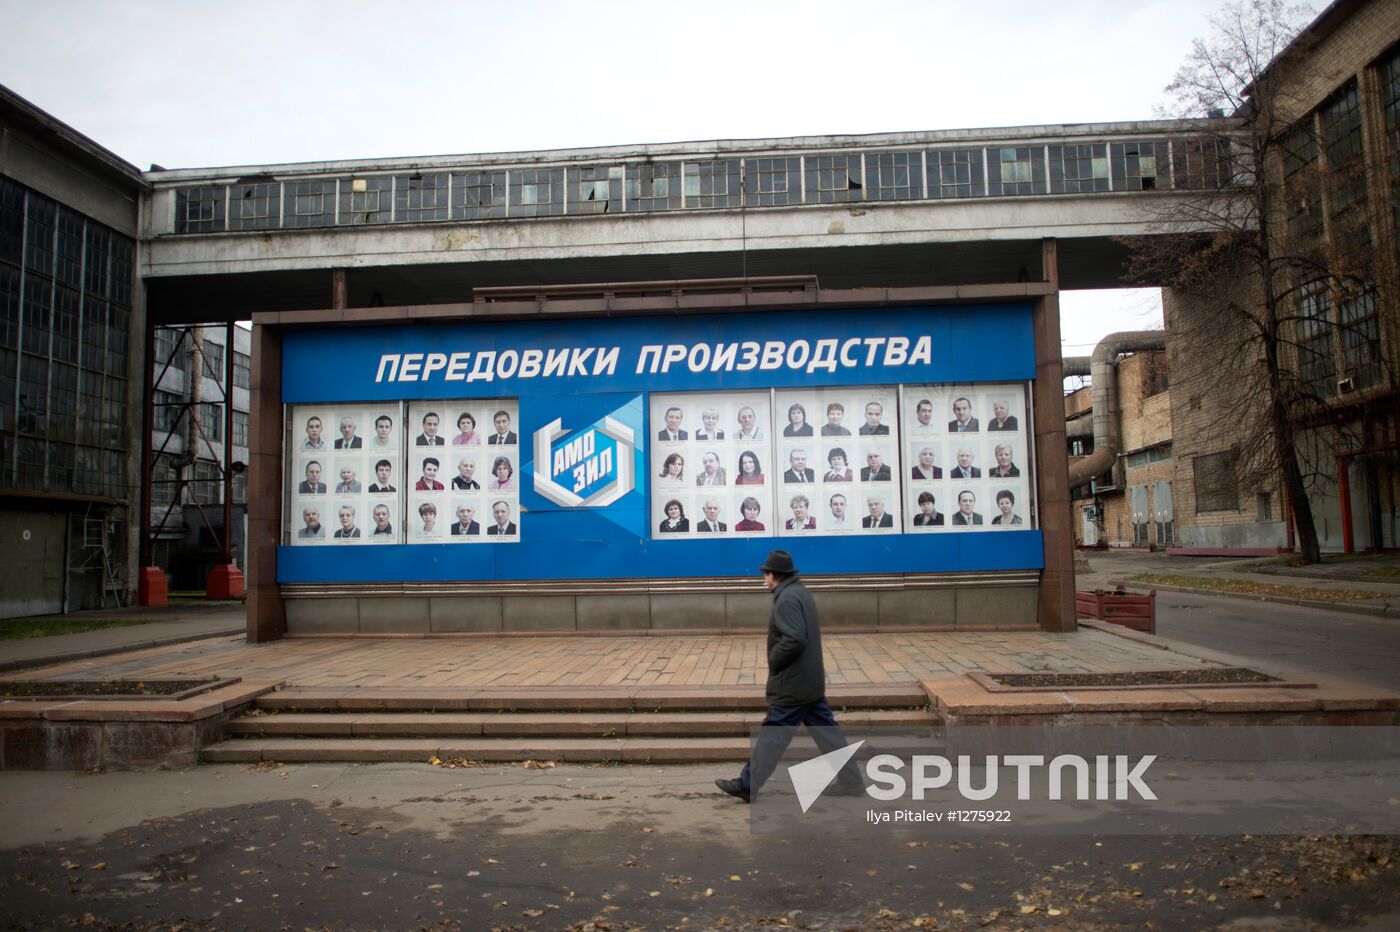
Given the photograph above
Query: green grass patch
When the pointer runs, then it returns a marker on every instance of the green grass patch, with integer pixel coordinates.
(47, 627)
(1212, 584)
(1382, 571)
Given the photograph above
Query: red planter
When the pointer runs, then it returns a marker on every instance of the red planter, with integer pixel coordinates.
(1138, 612)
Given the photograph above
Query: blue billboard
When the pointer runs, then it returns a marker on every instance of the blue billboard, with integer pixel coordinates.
(600, 409)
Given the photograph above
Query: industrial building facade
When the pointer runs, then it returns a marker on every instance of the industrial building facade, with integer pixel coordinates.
(903, 281)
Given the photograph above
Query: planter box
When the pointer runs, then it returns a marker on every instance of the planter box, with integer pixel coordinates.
(1138, 612)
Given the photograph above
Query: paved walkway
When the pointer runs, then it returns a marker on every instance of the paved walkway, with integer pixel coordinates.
(1377, 574)
(459, 663)
(176, 624)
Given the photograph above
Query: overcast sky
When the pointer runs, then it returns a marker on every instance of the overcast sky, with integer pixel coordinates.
(187, 83)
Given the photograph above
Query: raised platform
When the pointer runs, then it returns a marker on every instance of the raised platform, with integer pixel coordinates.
(615, 699)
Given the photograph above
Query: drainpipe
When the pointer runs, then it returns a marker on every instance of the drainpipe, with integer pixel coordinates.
(1105, 394)
(1344, 493)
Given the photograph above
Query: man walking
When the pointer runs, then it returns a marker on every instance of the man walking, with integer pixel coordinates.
(796, 684)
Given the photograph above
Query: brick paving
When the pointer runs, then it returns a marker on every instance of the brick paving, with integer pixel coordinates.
(603, 662)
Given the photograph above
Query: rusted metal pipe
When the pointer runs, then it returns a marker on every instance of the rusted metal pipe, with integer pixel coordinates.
(1105, 394)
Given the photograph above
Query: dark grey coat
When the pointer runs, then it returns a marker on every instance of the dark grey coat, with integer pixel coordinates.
(796, 675)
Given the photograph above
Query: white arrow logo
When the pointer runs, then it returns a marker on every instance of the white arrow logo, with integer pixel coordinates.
(811, 777)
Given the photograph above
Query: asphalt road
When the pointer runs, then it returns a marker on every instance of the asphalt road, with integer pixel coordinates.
(405, 846)
(1361, 648)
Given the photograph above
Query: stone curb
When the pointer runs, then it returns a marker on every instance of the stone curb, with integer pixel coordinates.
(7, 666)
(1353, 608)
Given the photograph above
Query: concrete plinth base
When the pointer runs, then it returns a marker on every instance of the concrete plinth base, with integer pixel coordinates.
(152, 587)
(225, 582)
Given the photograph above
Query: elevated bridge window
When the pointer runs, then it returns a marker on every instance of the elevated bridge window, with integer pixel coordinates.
(309, 203)
(1200, 164)
(654, 186)
(712, 184)
(1018, 170)
(1139, 166)
(479, 195)
(834, 179)
(895, 176)
(1078, 169)
(596, 189)
(772, 182)
(200, 210)
(537, 193)
(956, 173)
(366, 200)
(419, 197)
(255, 206)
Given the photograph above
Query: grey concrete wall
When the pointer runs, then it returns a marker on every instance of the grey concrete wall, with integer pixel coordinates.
(56, 175)
(967, 607)
(1271, 534)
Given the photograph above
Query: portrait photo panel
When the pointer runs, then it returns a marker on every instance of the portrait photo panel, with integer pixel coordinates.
(463, 452)
(333, 452)
(708, 445)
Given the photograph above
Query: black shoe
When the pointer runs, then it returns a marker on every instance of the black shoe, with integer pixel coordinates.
(846, 789)
(733, 788)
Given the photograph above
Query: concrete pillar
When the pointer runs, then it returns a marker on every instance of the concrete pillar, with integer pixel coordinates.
(1055, 611)
(267, 616)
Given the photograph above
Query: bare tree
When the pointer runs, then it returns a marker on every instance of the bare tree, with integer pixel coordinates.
(1265, 253)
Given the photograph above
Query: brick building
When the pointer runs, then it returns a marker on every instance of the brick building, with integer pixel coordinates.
(1133, 506)
(1332, 190)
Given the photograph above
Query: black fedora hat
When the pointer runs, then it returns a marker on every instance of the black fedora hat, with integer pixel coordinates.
(779, 561)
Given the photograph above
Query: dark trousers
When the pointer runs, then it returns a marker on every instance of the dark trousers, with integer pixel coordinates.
(779, 728)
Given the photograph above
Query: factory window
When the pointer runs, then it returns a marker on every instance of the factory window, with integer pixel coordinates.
(1346, 171)
(168, 408)
(211, 421)
(1317, 366)
(242, 370)
(213, 361)
(1302, 200)
(240, 429)
(1217, 487)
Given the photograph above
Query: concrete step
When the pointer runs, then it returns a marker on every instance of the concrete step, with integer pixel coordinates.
(576, 699)
(675, 725)
(486, 750)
